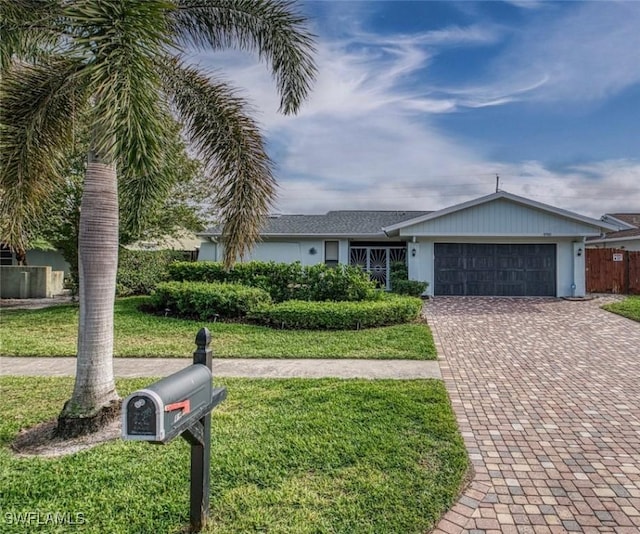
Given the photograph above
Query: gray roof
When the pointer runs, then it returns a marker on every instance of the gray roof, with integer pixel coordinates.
(348, 223)
(631, 219)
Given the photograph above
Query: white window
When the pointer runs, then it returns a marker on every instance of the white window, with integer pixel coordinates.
(331, 253)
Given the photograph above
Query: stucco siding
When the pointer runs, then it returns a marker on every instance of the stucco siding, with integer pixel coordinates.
(500, 218)
(208, 251)
(52, 258)
(306, 251)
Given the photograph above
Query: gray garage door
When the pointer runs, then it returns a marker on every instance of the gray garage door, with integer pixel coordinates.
(495, 270)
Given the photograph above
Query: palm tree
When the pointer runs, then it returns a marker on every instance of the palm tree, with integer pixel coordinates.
(123, 63)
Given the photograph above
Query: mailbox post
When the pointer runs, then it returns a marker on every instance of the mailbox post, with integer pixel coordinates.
(180, 405)
(200, 449)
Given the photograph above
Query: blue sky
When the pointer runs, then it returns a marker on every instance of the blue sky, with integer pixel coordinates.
(418, 105)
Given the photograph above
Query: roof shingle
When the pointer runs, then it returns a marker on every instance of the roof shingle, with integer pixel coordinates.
(349, 222)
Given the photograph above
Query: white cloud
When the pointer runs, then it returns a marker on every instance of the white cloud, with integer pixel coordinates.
(583, 53)
(365, 139)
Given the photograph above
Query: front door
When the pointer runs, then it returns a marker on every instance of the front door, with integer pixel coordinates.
(377, 259)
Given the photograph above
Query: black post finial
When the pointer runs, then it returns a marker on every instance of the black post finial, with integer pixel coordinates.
(203, 353)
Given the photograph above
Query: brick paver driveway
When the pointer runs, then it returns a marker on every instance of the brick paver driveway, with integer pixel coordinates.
(547, 396)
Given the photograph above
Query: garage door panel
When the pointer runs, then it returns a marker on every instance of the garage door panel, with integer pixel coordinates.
(450, 262)
(495, 269)
(510, 290)
(479, 289)
(480, 262)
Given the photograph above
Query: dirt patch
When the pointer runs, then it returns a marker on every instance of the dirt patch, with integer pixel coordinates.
(41, 440)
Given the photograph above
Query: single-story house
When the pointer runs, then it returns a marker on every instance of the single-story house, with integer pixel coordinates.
(626, 235)
(500, 244)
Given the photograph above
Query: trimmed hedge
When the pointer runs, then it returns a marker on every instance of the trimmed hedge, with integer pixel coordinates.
(205, 300)
(139, 271)
(295, 314)
(285, 281)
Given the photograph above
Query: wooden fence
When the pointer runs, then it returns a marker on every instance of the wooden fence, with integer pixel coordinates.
(612, 270)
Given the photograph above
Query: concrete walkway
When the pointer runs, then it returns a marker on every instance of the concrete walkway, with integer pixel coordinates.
(547, 396)
(247, 367)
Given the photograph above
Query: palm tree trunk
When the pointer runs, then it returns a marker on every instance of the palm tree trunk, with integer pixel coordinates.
(95, 401)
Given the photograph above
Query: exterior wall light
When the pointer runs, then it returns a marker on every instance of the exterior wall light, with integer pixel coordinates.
(313, 251)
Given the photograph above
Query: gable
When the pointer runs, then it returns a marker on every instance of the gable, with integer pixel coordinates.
(501, 217)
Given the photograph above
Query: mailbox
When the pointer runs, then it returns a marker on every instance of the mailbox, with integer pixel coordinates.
(180, 405)
(170, 406)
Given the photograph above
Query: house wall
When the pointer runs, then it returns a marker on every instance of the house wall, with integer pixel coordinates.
(570, 268)
(52, 258)
(208, 251)
(286, 251)
(502, 218)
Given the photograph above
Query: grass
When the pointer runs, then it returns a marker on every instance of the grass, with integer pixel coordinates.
(629, 307)
(52, 332)
(291, 455)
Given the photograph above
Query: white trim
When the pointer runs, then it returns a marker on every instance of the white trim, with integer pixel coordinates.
(379, 235)
(623, 224)
(160, 430)
(544, 235)
(614, 239)
(495, 196)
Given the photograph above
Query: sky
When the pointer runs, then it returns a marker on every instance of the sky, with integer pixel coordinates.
(418, 105)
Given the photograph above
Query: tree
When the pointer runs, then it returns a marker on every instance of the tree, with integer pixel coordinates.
(122, 63)
(183, 208)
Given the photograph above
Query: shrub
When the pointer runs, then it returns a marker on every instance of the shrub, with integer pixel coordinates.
(400, 283)
(206, 300)
(284, 281)
(139, 271)
(339, 283)
(295, 314)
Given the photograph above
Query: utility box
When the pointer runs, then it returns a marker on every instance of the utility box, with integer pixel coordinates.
(168, 407)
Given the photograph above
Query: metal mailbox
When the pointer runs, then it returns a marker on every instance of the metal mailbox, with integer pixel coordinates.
(168, 407)
(180, 405)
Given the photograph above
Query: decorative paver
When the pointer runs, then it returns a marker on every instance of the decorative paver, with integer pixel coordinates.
(547, 397)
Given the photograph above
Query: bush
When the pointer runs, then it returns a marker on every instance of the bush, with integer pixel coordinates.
(295, 314)
(400, 283)
(285, 281)
(139, 271)
(205, 300)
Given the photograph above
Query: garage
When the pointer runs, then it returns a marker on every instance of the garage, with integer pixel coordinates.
(483, 269)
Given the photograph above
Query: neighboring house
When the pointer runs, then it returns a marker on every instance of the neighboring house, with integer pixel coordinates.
(500, 244)
(626, 235)
(37, 257)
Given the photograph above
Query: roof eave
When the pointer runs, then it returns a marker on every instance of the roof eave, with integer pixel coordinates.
(614, 239)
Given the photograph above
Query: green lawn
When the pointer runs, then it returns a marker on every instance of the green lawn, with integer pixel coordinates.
(298, 456)
(630, 307)
(52, 332)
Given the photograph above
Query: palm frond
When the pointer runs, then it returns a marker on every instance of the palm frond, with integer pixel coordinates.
(37, 109)
(232, 149)
(123, 40)
(273, 29)
(28, 29)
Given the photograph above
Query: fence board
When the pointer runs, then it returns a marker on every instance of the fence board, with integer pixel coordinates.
(634, 272)
(605, 275)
